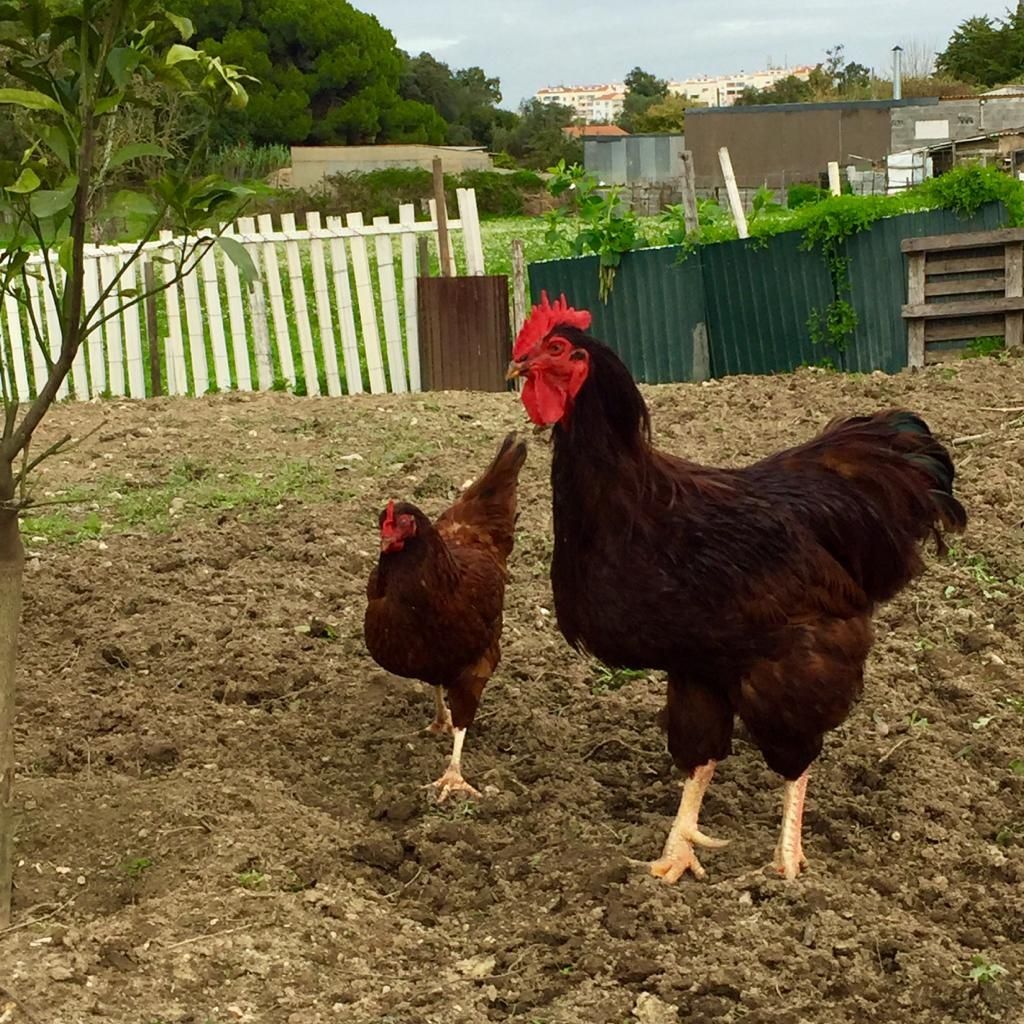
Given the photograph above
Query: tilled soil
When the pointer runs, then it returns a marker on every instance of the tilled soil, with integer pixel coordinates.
(221, 817)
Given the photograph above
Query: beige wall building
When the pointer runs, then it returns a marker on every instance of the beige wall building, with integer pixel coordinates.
(312, 164)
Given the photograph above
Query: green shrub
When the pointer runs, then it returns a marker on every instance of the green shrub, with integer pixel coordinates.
(802, 195)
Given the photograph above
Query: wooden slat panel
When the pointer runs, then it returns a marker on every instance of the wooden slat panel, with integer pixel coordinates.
(464, 332)
(97, 357)
(974, 307)
(196, 332)
(346, 311)
(177, 378)
(965, 286)
(258, 316)
(300, 308)
(322, 295)
(407, 216)
(389, 307)
(272, 275)
(367, 307)
(1014, 289)
(915, 293)
(135, 367)
(215, 317)
(946, 355)
(236, 314)
(970, 240)
(53, 332)
(966, 328)
(961, 266)
(115, 351)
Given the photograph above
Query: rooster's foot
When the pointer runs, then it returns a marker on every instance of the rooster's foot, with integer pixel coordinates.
(789, 862)
(451, 783)
(441, 726)
(679, 855)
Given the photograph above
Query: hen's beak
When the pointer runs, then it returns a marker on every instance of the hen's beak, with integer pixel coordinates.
(515, 370)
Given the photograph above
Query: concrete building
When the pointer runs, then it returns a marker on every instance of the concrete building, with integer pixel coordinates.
(312, 164)
(921, 124)
(724, 90)
(592, 103)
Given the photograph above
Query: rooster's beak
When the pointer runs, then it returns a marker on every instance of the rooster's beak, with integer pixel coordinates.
(515, 370)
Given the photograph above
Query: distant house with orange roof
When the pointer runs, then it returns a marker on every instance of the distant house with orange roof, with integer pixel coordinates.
(590, 131)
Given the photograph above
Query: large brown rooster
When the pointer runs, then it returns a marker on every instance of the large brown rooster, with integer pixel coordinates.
(752, 588)
(435, 599)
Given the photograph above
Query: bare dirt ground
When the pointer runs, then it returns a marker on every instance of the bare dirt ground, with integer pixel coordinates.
(220, 813)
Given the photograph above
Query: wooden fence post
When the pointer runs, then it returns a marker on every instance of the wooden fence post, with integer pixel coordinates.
(915, 295)
(689, 184)
(518, 286)
(834, 184)
(1014, 289)
(734, 193)
(447, 269)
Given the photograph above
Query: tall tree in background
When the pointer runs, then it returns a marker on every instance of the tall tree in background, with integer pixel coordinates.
(466, 99)
(985, 51)
(537, 139)
(643, 90)
(664, 116)
(328, 73)
(786, 90)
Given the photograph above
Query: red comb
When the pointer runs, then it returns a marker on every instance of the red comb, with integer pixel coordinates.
(389, 515)
(543, 317)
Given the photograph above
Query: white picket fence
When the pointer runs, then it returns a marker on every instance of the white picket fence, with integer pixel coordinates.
(340, 316)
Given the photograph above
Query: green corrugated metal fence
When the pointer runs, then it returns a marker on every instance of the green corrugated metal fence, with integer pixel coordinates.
(744, 306)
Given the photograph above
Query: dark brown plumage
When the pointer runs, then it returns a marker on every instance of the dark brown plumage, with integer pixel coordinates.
(435, 599)
(752, 588)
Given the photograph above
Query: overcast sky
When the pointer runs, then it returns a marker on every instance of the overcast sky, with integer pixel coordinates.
(530, 43)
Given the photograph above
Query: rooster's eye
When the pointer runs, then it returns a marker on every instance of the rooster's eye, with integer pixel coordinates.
(556, 348)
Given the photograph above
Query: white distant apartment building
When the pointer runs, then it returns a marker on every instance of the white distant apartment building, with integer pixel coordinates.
(601, 104)
(723, 90)
(595, 104)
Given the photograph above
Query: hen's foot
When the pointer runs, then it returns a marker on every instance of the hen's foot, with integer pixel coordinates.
(788, 862)
(679, 855)
(451, 783)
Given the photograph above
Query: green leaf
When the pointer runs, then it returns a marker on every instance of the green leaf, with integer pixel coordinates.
(123, 60)
(30, 99)
(179, 52)
(108, 104)
(185, 27)
(136, 150)
(130, 204)
(28, 181)
(55, 138)
(66, 255)
(239, 255)
(49, 202)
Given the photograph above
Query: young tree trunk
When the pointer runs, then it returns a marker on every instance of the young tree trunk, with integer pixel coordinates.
(12, 565)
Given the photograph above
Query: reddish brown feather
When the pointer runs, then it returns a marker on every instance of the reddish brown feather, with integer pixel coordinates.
(752, 588)
(434, 609)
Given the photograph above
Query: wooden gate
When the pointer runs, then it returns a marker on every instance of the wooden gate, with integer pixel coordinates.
(464, 331)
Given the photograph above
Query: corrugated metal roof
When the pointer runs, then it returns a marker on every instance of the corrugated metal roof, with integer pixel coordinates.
(1002, 133)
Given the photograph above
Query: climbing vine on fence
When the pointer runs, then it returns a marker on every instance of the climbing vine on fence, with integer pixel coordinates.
(594, 220)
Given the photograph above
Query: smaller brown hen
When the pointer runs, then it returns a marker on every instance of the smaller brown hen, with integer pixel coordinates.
(435, 599)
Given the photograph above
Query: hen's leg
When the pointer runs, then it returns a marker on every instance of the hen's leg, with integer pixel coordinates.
(442, 722)
(465, 698)
(452, 780)
(678, 856)
(789, 852)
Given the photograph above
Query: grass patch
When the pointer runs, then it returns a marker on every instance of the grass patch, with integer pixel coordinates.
(190, 488)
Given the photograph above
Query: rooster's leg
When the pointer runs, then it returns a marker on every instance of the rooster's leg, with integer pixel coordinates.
(442, 722)
(678, 856)
(789, 852)
(452, 780)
